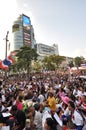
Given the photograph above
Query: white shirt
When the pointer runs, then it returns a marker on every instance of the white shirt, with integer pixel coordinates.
(67, 112)
(75, 92)
(80, 94)
(77, 118)
(41, 98)
(38, 120)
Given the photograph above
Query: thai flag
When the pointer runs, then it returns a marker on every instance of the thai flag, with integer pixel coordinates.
(3, 66)
(6, 62)
(11, 58)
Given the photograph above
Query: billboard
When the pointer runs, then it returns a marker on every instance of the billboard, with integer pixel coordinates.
(26, 30)
(45, 49)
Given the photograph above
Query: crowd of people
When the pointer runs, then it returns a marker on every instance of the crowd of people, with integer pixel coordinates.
(44, 101)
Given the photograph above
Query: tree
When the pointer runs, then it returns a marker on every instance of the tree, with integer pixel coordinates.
(78, 61)
(57, 60)
(52, 62)
(37, 66)
(71, 64)
(24, 57)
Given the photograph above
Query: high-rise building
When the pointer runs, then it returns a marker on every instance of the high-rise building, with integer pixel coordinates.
(23, 32)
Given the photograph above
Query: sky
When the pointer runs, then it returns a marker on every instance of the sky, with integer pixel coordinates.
(62, 22)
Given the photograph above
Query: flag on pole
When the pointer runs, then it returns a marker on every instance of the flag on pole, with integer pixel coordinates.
(3, 66)
(6, 62)
(11, 58)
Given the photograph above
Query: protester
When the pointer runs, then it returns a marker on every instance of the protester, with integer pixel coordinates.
(51, 101)
(49, 124)
(75, 116)
(19, 118)
(35, 118)
(19, 103)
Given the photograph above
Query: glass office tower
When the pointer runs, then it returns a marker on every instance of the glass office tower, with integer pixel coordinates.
(23, 32)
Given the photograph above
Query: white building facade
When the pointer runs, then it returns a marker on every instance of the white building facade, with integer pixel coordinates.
(46, 50)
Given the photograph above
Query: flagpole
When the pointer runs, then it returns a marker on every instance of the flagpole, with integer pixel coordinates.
(6, 51)
(6, 44)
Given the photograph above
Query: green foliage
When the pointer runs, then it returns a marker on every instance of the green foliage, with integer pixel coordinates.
(52, 62)
(78, 61)
(24, 57)
(37, 66)
(71, 64)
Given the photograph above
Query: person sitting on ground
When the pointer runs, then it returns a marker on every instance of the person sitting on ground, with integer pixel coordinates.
(35, 118)
(49, 124)
(76, 117)
(51, 101)
(20, 118)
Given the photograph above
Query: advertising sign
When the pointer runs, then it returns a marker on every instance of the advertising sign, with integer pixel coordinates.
(26, 29)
